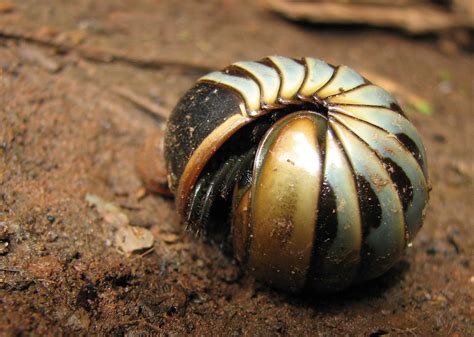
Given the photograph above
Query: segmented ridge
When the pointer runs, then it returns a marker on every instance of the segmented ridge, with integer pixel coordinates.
(276, 81)
(391, 192)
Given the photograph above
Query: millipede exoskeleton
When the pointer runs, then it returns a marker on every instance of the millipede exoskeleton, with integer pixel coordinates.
(313, 172)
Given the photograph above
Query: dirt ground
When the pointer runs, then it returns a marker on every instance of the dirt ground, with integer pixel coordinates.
(65, 134)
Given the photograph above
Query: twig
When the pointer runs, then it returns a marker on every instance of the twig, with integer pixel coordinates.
(152, 327)
(450, 328)
(406, 330)
(104, 56)
(138, 322)
(142, 102)
(143, 254)
(131, 322)
(414, 19)
(10, 270)
(35, 55)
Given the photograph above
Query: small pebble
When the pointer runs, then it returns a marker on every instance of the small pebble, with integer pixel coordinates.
(200, 263)
(79, 320)
(195, 298)
(4, 232)
(439, 138)
(427, 296)
(445, 87)
(169, 237)
(431, 251)
(3, 248)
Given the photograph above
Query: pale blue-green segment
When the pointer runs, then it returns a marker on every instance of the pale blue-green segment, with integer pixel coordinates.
(387, 241)
(387, 146)
(267, 77)
(345, 251)
(390, 121)
(344, 79)
(366, 95)
(247, 88)
(317, 74)
(292, 75)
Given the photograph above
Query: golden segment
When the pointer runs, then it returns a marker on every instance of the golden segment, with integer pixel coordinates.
(284, 202)
(202, 155)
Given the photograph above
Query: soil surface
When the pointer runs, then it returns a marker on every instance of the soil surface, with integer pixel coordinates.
(65, 134)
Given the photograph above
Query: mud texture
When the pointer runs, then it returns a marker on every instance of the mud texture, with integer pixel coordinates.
(65, 133)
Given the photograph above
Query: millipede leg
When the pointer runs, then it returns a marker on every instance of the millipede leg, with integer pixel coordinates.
(233, 175)
(195, 198)
(213, 190)
(219, 184)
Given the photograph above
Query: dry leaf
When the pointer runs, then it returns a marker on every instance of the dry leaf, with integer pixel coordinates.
(133, 239)
(111, 213)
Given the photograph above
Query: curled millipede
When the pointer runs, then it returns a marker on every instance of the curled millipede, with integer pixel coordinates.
(313, 172)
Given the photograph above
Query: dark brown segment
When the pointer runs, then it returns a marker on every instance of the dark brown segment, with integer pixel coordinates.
(326, 232)
(371, 215)
(395, 107)
(326, 223)
(370, 209)
(197, 114)
(401, 181)
(411, 146)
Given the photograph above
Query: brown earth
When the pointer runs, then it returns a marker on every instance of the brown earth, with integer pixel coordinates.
(65, 133)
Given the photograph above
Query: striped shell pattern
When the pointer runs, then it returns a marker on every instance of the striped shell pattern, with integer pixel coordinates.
(337, 191)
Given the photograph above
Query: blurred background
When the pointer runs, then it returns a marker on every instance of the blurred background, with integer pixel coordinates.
(84, 83)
